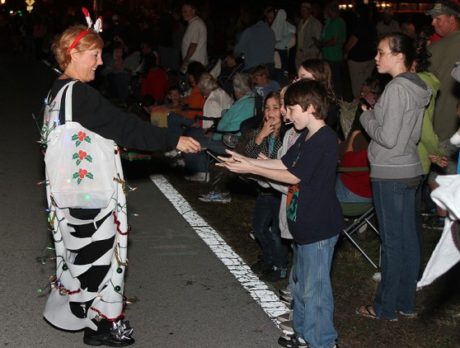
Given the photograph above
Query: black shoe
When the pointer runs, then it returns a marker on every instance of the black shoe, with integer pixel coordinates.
(274, 274)
(292, 341)
(118, 335)
(260, 267)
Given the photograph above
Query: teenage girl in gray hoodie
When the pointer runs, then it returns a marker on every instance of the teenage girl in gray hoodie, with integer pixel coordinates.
(394, 125)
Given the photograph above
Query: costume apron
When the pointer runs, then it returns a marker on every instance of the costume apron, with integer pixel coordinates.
(91, 258)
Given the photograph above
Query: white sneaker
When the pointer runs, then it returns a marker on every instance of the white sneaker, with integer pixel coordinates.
(171, 154)
(216, 197)
(286, 326)
(377, 277)
(178, 163)
(284, 317)
(198, 177)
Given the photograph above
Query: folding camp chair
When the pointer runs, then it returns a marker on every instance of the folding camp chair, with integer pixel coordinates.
(360, 214)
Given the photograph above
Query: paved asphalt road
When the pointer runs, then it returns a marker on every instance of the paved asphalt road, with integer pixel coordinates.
(187, 298)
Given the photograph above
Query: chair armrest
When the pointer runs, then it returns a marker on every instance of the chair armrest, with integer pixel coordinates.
(352, 169)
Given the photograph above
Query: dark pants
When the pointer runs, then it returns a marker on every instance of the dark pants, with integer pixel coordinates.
(265, 224)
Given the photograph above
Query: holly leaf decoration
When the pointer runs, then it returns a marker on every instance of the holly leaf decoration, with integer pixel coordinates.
(88, 139)
(89, 175)
(75, 175)
(75, 156)
(74, 137)
(89, 158)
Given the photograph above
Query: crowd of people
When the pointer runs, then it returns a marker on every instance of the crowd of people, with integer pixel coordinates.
(276, 106)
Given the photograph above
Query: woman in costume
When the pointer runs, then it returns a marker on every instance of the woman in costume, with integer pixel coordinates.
(87, 292)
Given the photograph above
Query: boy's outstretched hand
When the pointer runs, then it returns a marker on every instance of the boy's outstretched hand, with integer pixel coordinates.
(235, 163)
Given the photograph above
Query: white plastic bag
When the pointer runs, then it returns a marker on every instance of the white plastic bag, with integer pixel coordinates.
(80, 164)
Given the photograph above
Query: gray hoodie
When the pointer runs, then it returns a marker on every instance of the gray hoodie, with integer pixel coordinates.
(394, 125)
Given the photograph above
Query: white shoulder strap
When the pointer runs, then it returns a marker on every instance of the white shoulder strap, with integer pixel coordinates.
(68, 101)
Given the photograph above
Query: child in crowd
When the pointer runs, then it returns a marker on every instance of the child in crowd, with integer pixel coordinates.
(159, 114)
(313, 211)
(319, 70)
(266, 141)
(354, 186)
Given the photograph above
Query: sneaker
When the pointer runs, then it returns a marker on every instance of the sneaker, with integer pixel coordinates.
(377, 277)
(292, 341)
(284, 317)
(178, 163)
(260, 267)
(274, 274)
(285, 292)
(413, 315)
(171, 154)
(287, 327)
(216, 197)
(287, 300)
(434, 223)
(198, 177)
(230, 140)
(116, 334)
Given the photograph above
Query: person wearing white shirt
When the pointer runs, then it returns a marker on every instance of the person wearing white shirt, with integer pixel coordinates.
(194, 41)
(216, 99)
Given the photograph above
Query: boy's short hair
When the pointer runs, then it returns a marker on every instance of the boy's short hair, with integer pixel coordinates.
(260, 70)
(308, 92)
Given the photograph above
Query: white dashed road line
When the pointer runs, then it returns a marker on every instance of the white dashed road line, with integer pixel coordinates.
(258, 290)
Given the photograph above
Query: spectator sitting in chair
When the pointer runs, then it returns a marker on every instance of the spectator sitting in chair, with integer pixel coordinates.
(354, 186)
(242, 109)
(194, 100)
(159, 114)
(216, 100)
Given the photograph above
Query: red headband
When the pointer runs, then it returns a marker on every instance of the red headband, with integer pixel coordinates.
(77, 39)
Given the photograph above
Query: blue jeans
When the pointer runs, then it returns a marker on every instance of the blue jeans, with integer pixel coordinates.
(344, 195)
(265, 224)
(394, 203)
(313, 299)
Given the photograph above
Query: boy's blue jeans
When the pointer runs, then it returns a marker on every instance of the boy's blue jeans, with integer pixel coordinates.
(313, 299)
(394, 203)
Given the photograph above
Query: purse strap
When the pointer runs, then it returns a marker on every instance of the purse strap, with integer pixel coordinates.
(68, 101)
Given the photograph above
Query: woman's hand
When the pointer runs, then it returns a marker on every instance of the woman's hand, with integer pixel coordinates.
(188, 145)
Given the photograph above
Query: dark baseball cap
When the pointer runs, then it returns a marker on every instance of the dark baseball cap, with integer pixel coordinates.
(445, 7)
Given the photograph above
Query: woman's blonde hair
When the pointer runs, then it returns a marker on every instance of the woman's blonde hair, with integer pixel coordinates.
(62, 43)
